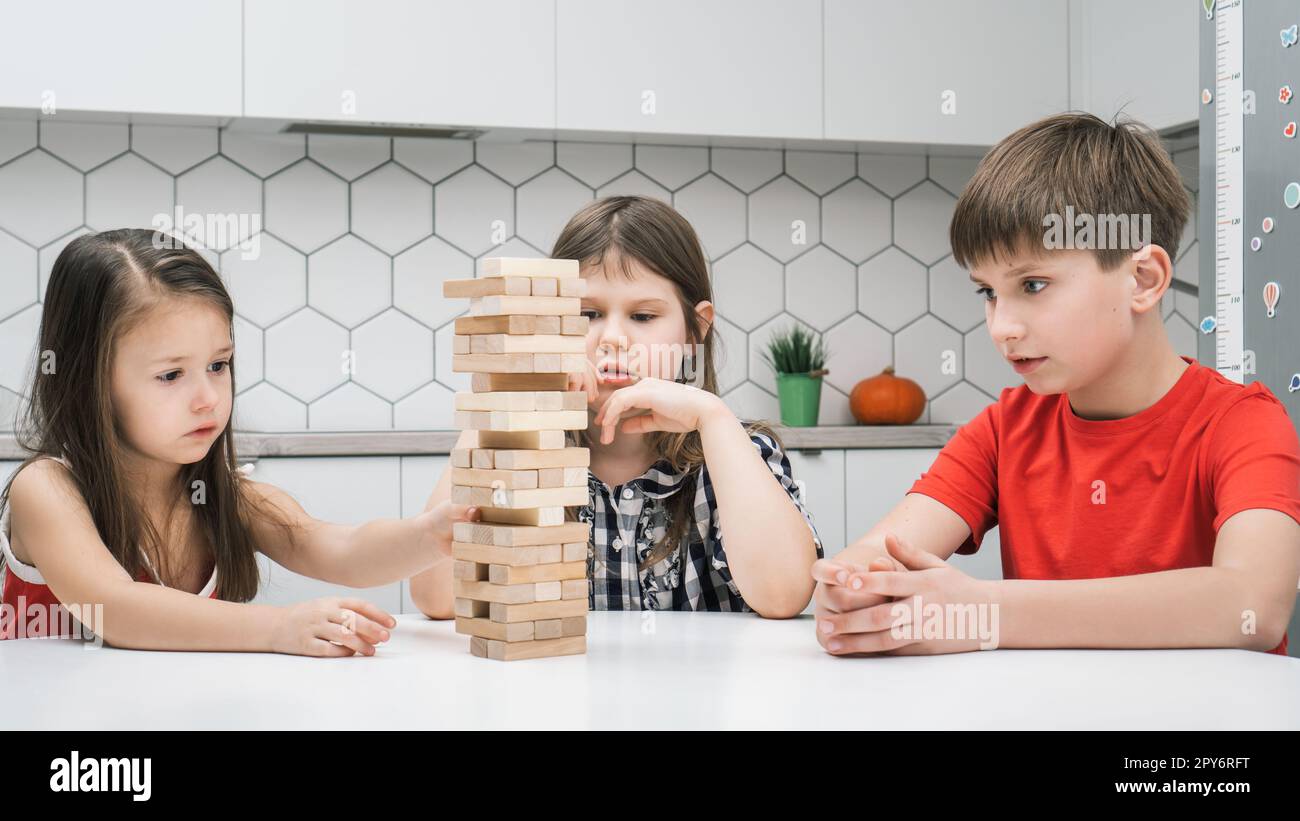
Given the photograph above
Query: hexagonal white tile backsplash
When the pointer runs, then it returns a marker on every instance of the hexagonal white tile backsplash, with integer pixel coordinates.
(358, 234)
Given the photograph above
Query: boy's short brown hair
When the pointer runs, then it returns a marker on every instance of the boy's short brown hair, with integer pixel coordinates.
(1074, 161)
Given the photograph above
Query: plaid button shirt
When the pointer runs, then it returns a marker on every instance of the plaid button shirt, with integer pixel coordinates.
(630, 519)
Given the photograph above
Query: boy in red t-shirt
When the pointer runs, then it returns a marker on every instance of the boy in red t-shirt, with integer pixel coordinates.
(1143, 499)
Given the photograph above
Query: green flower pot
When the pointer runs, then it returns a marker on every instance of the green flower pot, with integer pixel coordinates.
(800, 396)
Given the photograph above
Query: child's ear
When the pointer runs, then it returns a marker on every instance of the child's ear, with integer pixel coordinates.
(1153, 272)
(704, 315)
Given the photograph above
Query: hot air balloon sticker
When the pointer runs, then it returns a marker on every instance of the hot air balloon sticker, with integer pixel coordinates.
(1271, 293)
(1295, 383)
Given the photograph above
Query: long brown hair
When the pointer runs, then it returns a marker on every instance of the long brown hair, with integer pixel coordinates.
(101, 286)
(611, 233)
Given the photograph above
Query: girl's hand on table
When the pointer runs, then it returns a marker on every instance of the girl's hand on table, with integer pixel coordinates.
(330, 627)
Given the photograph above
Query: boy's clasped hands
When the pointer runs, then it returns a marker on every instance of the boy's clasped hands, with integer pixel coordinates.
(884, 606)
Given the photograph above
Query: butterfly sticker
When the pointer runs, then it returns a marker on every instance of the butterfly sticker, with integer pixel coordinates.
(1289, 35)
(1208, 325)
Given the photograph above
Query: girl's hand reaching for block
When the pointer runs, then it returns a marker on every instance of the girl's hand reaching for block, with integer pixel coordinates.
(330, 627)
(440, 518)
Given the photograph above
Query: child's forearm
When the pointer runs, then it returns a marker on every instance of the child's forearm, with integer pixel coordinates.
(144, 616)
(431, 591)
(380, 551)
(1190, 607)
(769, 546)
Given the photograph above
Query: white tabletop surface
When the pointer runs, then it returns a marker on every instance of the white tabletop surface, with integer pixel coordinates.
(661, 670)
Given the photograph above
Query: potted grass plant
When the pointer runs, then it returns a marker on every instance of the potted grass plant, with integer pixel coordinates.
(798, 357)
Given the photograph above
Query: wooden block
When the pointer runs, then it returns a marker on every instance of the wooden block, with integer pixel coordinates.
(545, 629)
(481, 458)
(575, 325)
(507, 593)
(509, 479)
(549, 286)
(574, 552)
(470, 609)
(461, 457)
(502, 631)
(498, 363)
(562, 477)
(572, 287)
(488, 286)
(538, 459)
(521, 440)
(499, 498)
(528, 516)
(559, 362)
(471, 571)
(505, 324)
(492, 382)
(519, 650)
(514, 574)
(536, 611)
(525, 306)
(521, 401)
(550, 324)
(507, 536)
(509, 556)
(462, 344)
(573, 588)
(536, 343)
(529, 267)
(522, 420)
(555, 628)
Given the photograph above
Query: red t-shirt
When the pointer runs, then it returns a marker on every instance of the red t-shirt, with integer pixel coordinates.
(1169, 477)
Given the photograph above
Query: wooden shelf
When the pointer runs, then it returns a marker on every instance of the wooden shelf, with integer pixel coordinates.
(424, 443)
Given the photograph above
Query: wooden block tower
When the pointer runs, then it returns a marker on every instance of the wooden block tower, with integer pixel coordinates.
(520, 573)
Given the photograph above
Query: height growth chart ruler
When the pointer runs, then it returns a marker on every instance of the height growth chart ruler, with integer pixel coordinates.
(1229, 250)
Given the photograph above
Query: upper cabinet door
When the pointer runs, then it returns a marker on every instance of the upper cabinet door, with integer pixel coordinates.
(130, 55)
(943, 71)
(721, 67)
(437, 62)
(1139, 58)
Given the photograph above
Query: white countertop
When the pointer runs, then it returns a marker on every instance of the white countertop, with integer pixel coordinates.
(662, 670)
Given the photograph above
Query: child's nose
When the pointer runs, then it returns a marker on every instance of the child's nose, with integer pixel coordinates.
(1004, 325)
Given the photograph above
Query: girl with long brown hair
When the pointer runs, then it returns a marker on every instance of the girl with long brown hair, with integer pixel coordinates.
(690, 508)
(132, 501)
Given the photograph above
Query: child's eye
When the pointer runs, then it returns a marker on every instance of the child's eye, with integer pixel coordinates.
(987, 293)
(643, 317)
(219, 366)
(1030, 282)
(591, 313)
(170, 376)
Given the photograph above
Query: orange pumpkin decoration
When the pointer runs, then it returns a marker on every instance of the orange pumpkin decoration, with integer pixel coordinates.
(887, 399)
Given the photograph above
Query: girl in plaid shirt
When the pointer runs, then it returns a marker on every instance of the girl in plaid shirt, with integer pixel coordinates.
(690, 508)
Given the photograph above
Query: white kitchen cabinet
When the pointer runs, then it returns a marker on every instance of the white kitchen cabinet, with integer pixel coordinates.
(723, 67)
(820, 473)
(876, 480)
(487, 63)
(946, 72)
(128, 56)
(1141, 58)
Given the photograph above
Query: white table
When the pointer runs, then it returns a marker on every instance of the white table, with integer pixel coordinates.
(663, 670)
